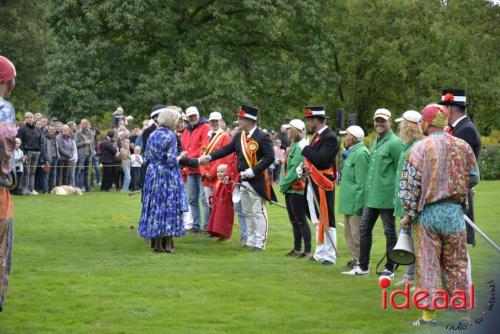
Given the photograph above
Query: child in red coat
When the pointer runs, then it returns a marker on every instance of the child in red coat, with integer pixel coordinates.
(222, 215)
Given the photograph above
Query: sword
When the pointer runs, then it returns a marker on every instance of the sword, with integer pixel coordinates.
(316, 203)
(485, 237)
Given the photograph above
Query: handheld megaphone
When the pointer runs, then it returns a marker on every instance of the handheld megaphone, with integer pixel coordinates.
(402, 253)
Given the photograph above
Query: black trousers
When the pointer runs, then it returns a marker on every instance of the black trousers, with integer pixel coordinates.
(471, 237)
(136, 178)
(108, 176)
(295, 205)
(368, 219)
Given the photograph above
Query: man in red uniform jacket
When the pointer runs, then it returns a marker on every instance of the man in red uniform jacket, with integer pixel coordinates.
(192, 142)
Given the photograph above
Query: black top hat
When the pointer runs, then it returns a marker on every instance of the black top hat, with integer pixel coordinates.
(315, 111)
(453, 97)
(248, 112)
(157, 109)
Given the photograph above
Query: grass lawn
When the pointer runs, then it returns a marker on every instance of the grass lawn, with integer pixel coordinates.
(79, 268)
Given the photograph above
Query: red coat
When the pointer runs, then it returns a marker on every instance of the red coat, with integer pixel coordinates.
(209, 172)
(192, 141)
(222, 214)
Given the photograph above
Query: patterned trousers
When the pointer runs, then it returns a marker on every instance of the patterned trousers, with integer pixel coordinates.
(441, 254)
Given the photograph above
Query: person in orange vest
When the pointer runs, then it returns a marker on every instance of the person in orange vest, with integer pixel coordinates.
(319, 160)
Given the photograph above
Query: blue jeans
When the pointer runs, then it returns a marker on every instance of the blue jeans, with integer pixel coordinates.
(241, 220)
(126, 178)
(52, 174)
(195, 195)
(96, 176)
(82, 172)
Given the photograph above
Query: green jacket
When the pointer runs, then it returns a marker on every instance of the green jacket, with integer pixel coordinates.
(398, 208)
(384, 157)
(352, 184)
(294, 159)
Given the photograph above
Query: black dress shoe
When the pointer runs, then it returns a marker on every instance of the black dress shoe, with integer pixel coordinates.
(327, 263)
(257, 249)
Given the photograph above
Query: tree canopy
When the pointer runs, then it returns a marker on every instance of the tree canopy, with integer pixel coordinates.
(79, 58)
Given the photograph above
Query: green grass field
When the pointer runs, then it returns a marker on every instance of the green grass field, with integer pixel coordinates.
(79, 268)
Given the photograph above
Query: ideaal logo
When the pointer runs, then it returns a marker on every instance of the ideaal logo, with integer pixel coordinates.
(440, 300)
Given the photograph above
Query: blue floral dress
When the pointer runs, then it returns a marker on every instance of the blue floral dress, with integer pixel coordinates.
(164, 197)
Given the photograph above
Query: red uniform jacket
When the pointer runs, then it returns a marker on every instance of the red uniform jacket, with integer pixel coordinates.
(192, 141)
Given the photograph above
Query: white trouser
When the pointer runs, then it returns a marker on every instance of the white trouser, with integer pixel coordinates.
(208, 192)
(325, 251)
(255, 216)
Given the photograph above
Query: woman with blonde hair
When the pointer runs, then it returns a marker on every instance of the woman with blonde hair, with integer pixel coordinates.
(164, 197)
(410, 132)
(293, 187)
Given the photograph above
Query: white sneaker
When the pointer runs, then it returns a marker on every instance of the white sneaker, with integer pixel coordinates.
(33, 192)
(356, 271)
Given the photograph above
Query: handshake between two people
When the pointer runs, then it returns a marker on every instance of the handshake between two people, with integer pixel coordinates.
(246, 174)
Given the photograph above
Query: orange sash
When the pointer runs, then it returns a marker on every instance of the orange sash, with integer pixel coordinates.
(324, 184)
(213, 143)
(249, 149)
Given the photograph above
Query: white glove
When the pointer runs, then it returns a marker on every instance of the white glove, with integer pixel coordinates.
(247, 174)
(300, 170)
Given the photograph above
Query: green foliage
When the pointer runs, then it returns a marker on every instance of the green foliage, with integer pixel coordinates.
(24, 36)
(489, 163)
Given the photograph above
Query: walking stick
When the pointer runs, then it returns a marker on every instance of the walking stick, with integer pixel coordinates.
(316, 204)
(253, 192)
(485, 237)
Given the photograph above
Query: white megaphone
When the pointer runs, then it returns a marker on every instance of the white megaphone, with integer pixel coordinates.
(236, 194)
(402, 252)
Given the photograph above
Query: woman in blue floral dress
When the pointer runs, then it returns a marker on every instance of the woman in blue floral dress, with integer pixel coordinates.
(164, 197)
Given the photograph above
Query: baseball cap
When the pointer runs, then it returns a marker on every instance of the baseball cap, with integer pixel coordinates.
(410, 116)
(355, 131)
(382, 113)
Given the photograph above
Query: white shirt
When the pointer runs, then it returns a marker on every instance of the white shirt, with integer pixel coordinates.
(250, 133)
(458, 120)
(321, 130)
(136, 160)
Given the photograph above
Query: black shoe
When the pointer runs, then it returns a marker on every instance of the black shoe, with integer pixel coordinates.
(293, 253)
(304, 254)
(327, 263)
(257, 249)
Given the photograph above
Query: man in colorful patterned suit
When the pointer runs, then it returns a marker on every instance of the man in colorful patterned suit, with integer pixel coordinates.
(320, 163)
(254, 152)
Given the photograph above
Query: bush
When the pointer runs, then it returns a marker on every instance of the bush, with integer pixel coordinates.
(489, 163)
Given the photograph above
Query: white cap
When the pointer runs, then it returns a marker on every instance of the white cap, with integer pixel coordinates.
(192, 111)
(298, 124)
(215, 116)
(355, 131)
(410, 116)
(382, 113)
(286, 126)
